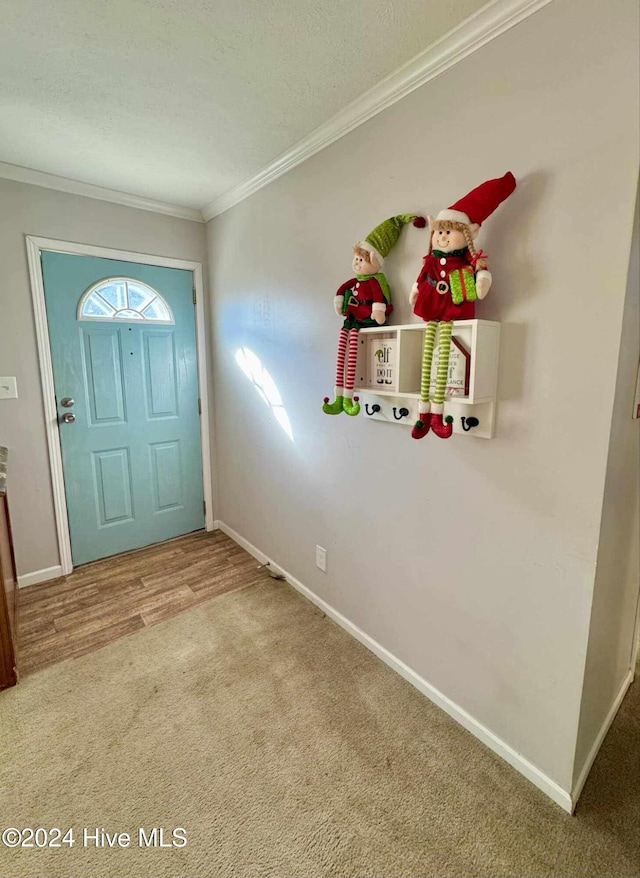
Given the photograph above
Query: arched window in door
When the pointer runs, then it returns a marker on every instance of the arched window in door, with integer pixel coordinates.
(123, 298)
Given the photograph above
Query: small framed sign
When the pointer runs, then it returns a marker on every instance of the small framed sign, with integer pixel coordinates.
(459, 369)
(382, 363)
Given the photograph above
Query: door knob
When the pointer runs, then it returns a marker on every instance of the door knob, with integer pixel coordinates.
(68, 417)
(67, 402)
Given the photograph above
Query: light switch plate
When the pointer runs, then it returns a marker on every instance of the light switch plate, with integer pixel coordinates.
(321, 558)
(8, 388)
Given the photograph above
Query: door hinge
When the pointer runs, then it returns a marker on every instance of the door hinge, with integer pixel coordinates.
(199, 406)
(194, 295)
(204, 506)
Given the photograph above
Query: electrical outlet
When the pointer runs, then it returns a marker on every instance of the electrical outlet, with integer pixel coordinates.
(321, 558)
(8, 388)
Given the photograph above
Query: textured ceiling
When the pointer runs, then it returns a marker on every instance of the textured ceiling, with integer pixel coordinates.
(180, 100)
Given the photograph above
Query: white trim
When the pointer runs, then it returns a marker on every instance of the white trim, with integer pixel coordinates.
(108, 253)
(472, 34)
(35, 246)
(454, 216)
(39, 576)
(88, 190)
(203, 383)
(50, 412)
(586, 768)
(635, 643)
(249, 547)
(491, 740)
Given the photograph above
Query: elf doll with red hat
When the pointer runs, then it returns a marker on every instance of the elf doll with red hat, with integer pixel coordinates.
(364, 300)
(453, 276)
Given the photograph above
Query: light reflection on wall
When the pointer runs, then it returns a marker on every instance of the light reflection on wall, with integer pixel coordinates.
(264, 384)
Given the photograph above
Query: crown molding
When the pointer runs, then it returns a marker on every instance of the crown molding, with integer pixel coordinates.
(475, 32)
(472, 34)
(76, 187)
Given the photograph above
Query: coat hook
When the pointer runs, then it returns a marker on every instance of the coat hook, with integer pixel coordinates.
(402, 413)
(469, 423)
(374, 408)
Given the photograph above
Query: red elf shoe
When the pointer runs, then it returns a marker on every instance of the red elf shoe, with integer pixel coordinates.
(422, 426)
(443, 430)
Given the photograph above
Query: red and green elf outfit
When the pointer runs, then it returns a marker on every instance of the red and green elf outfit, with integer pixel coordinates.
(358, 299)
(364, 294)
(456, 269)
(446, 291)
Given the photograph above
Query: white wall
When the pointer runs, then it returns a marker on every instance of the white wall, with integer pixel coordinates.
(615, 597)
(473, 561)
(32, 210)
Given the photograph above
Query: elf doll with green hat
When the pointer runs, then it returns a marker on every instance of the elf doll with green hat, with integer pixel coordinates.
(364, 300)
(454, 275)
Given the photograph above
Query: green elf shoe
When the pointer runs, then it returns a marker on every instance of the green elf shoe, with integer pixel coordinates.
(351, 407)
(333, 408)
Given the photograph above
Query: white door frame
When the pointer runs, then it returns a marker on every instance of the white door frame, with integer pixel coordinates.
(35, 246)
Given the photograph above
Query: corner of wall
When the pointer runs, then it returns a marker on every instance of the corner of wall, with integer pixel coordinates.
(613, 625)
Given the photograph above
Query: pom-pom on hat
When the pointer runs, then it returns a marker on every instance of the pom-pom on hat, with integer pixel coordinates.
(481, 202)
(384, 237)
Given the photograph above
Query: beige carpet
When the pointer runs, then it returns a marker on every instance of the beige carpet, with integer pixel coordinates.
(285, 749)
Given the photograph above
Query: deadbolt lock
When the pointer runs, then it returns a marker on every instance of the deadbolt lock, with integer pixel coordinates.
(66, 402)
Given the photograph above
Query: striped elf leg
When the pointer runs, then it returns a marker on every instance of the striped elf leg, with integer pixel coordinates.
(335, 407)
(350, 403)
(423, 423)
(443, 430)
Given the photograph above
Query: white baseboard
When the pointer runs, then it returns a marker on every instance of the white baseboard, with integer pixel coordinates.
(548, 786)
(39, 576)
(602, 734)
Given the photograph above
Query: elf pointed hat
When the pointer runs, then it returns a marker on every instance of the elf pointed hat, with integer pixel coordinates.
(384, 237)
(481, 202)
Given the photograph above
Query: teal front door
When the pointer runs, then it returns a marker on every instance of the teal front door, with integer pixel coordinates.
(124, 360)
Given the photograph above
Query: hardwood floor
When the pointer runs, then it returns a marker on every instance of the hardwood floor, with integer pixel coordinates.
(105, 600)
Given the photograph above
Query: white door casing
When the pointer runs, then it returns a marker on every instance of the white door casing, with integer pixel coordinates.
(35, 245)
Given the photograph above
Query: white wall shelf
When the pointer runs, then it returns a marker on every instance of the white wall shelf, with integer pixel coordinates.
(391, 380)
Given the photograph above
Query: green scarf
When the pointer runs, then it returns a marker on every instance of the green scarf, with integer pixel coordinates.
(384, 283)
